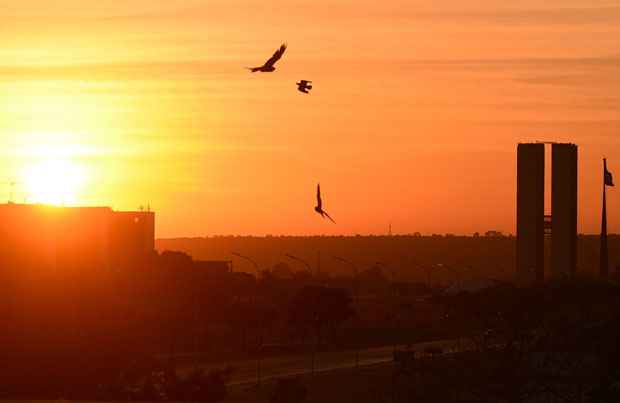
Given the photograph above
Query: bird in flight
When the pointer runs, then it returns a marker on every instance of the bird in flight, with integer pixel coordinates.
(268, 66)
(303, 86)
(319, 204)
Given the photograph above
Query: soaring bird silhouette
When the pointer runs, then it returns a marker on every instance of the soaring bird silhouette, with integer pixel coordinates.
(268, 66)
(319, 204)
(303, 86)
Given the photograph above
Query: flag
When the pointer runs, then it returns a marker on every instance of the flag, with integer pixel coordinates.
(609, 180)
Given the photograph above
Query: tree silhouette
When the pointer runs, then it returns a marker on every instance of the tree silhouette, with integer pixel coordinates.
(316, 308)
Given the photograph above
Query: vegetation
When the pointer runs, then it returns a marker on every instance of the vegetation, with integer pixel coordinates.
(124, 335)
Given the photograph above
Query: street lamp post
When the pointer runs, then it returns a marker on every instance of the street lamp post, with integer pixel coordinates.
(260, 352)
(355, 275)
(390, 269)
(249, 259)
(355, 290)
(300, 260)
(259, 376)
(314, 347)
(452, 270)
(394, 295)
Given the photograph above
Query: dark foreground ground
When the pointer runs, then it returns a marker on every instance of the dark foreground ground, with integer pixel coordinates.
(344, 385)
(365, 384)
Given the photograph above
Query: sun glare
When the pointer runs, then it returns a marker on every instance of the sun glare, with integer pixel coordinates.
(54, 181)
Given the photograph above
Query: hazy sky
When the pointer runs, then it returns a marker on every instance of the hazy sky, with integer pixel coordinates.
(414, 119)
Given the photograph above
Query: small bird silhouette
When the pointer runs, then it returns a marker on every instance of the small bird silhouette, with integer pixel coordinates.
(319, 204)
(303, 86)
(268, 66)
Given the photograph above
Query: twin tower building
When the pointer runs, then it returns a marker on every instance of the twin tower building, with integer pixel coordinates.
(533, 226)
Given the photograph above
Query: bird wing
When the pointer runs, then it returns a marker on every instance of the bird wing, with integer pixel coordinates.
(319, 202)
(276, 56)
(331, 219)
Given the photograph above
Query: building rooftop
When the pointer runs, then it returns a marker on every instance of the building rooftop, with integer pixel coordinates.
(11, 205)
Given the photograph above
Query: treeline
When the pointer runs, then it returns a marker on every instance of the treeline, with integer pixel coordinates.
(409, 257)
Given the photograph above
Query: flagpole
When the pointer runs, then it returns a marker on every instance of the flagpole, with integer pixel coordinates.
(604, 258)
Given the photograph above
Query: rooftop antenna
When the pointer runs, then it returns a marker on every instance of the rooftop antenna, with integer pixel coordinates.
(12, 185)
(390, 230)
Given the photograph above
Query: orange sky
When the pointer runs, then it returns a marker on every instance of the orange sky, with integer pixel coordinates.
(414, 119)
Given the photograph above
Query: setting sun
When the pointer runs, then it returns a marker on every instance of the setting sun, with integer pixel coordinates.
(54, 181)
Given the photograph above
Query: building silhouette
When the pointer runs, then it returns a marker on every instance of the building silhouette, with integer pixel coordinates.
(533, 225)
(564, 210)
(40, 237)
(530, 212)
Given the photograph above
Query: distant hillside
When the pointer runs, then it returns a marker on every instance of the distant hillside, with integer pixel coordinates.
(409, 257)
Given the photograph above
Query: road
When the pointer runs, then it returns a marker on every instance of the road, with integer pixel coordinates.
(246, 372)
